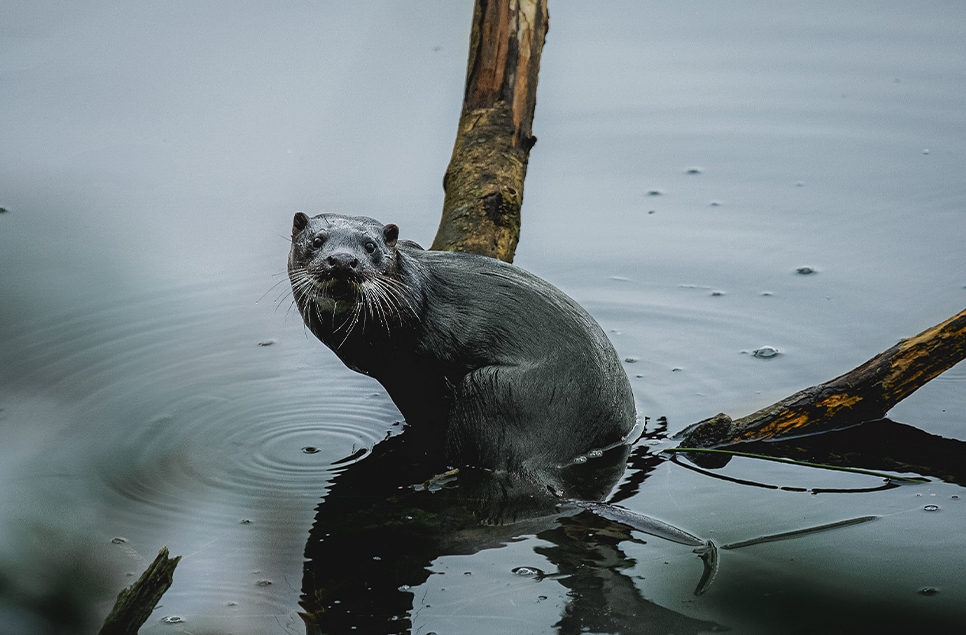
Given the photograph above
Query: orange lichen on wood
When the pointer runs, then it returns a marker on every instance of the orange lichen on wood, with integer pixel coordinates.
(865, 393)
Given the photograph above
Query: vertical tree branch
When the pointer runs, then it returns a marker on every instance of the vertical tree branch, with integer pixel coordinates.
(484, 180)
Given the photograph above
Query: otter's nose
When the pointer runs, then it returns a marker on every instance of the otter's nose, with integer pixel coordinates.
(342, 261)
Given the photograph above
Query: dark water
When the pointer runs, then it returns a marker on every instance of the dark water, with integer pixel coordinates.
(156, 390)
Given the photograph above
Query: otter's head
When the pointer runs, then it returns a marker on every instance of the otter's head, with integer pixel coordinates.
(347, 265)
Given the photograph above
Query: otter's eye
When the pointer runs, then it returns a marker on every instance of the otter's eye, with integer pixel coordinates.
(370, 246)
(317, 242)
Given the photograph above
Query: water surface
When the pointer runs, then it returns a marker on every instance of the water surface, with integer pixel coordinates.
(155, 388)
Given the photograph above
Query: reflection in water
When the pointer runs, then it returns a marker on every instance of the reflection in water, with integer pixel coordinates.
(388, 517)
(882, 444)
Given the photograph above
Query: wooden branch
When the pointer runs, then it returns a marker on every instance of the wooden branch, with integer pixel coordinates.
(135, 603)
(862, 394)
(484, 180)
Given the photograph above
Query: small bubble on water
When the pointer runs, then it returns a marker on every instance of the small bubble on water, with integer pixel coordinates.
(3, 210)
(715, 203)
(541, 598)
(266, 342)
(925, 150)
(527, 572)
(931, 508)
(404, 588)
(954, 497)
(595, 454)
(799, 183)
(676, 369)
(805, 271)
(118, 540)
(652, 211)
(580, 459)
(694, 170)
(246, 521)
(767, 294)
(655, 192)
(263, 583)
(631, 360)
(717, 293)
(172, 619)
(928, 590)
(765, 352)
(311, 449)
(231, 603)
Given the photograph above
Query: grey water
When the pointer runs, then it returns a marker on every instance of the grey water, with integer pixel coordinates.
(711, 180)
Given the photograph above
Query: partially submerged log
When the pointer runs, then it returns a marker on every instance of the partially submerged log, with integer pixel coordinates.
(862, 394)
(135, 603)
(484, 180)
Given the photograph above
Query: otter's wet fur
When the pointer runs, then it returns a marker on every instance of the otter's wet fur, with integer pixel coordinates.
(500, 368)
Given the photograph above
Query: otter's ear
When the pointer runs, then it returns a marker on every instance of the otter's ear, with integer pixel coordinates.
(299, 223)
(390, 233)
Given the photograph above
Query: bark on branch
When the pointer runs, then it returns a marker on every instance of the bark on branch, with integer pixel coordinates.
(135, 603)
(862, 394)
(484, 180)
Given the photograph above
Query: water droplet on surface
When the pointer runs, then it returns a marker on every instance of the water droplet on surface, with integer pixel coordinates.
(652, 211)
(694, 170)
(655, 192)
(925, 150)
(311, 449)
(246, 521)
(266, 343)
(264, 583)
(631, 360)
(804, 271)
(528, 572)
(715, 203)
(928, 590)
(931, 508)
(717, 293)
(118, 540)
(231, 603)
(541, 598)
(954, 497)
(765, 352)
(676, 369)
(767, 294)
(172, 619)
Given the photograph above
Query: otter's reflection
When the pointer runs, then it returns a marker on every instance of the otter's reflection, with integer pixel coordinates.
(390, 515)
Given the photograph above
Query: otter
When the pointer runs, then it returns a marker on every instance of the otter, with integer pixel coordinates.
(503, 369)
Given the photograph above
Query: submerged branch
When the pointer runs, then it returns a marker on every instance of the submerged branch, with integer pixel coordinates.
(135, 603)
(862, 394)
